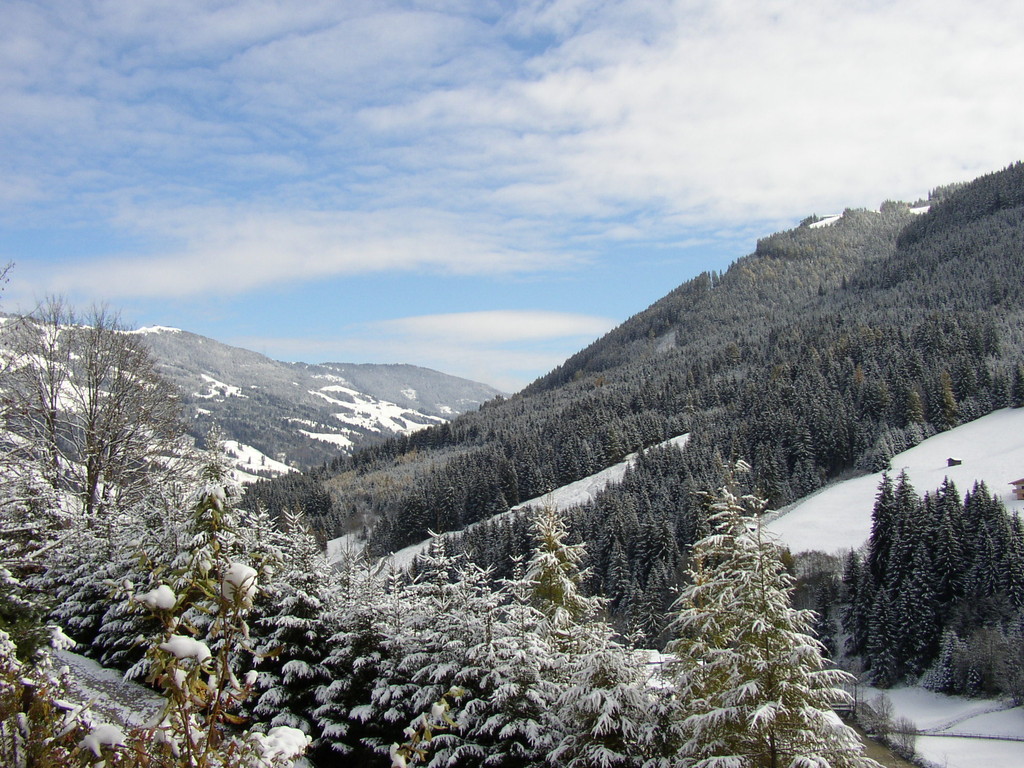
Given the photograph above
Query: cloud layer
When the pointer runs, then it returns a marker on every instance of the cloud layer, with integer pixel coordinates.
(193, 147)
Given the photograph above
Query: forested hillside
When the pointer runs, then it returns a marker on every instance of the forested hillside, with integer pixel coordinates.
(827, 350)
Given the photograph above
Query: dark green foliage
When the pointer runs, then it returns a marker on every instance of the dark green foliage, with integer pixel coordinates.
(939, 570)
(23, 616)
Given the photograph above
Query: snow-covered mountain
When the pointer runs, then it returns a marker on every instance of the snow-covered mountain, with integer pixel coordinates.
(277, 415)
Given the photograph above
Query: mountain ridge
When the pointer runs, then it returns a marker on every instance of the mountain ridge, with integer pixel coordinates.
(308, 412)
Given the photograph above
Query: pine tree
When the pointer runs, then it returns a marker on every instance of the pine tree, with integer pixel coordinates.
(357, 652)
(601, 706)
(750, 680)
(555, 577)
(291, 636)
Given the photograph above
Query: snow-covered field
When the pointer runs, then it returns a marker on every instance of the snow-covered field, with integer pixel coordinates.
(942, 716)
(371, 413)
(838, 517)
(247, 463)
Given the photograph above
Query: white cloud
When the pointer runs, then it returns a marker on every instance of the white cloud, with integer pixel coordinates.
(740, 110)
(496, 326)
(257, 143)
(230, 251)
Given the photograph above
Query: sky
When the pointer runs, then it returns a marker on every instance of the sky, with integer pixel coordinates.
(481, 187)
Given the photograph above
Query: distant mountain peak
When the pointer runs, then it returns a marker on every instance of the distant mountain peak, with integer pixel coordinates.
(301, 414)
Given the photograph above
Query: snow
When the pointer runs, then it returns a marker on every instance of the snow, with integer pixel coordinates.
(157, 329)
(281, 742)
(239, 578)
(102, 736)
(371, 414)
(328, 437)
(410, 394)
(941, 716)
(574, 494)
(339, 547)
(182, 647)
(161, 598)
(113, 698)
(920, 209)
(838, 517)
(827, 221)
(218, 389)
(250, 464)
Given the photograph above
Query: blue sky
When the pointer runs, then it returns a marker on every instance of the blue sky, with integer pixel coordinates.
(478, 187)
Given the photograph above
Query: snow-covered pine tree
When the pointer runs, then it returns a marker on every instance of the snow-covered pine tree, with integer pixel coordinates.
(367, 612)
(602, 705)
(555, 579)
(291, 634)
(750, 682)
(203, 654)
(513, 690)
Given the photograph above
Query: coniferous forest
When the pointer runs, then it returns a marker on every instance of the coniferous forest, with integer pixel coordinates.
(525, 639)
(825, 352)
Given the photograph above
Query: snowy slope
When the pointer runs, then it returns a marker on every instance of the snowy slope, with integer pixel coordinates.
(249, 464)
(565, 497)
(948, 722)
(839, 516)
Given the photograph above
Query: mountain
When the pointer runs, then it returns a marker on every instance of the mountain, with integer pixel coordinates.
(298, 414)
(830, 349)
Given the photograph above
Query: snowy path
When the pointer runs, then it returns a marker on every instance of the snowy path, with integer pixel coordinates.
(115, 700)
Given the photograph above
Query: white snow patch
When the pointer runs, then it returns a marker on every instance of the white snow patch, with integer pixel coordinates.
(350, 543)
(102, 736)
(838, 517)
(373, 415)
(217, 388)
(826, 221)
(112, 696)
(183, 647)
(161, 598)
(239, 578)
(157, 329)
(249, 464)
(920, 209)
(331, 377)
(937, 714)
(328, 437)
(282, 742)
(410, 393)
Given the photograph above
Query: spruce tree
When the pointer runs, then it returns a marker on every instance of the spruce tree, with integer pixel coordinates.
(291, 636)
(750, 681)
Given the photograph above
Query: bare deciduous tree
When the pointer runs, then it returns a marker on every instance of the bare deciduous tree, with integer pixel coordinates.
(85, 408)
